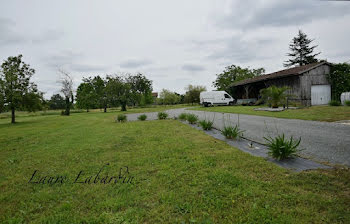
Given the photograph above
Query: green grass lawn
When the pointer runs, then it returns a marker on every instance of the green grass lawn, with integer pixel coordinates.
(178, 175)
(314, 113)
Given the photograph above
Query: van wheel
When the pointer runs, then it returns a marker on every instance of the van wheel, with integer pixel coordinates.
(205, 104)
(230, 103)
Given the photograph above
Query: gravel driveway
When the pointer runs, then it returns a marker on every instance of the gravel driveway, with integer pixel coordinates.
(321, 141)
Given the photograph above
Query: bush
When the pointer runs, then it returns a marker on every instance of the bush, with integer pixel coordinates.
(232, 132)
(281, 148)
(334, 103)
(142, 117)
(183, 116)
(206, 125)
(347, 102)
(162, 115)
(191, 118)
(121, 118)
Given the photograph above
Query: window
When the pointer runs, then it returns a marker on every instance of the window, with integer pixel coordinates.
(227, 96)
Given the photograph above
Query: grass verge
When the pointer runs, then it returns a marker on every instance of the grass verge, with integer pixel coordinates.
(180, 175)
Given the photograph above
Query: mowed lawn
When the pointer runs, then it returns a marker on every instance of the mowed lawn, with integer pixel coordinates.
(180, 175)
(314, 113)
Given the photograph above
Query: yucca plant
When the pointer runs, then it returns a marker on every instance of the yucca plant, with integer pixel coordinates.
(162, 115)
(191, 118)
(142, 117)
(121, 118)
(274, 95)
(206, 125)
(334, 103)
(183, 116)
(232, 132)
(281, 148)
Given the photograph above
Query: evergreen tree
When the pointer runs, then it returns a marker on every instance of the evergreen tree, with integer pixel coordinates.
(301, 51)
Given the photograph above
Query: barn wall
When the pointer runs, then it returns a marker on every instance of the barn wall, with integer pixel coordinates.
(317, 76)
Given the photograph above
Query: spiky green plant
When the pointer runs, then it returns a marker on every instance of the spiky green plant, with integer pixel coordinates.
(142, 117)
(121, 118)
(232, 132)
(281, 148)
(206, 125)
(191, 118)
(162, 115)
(274, 95)
(183, 116)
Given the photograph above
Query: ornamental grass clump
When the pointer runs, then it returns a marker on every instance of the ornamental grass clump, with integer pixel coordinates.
(142, 117)
(206, 125)
(121, 118)
(192, 119)
(281, 148)
(162, 115)
(232, 132)
(183, 116)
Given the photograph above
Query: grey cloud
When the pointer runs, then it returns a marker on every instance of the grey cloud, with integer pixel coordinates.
(135, 63)
(87, 68)
(7, 34)
(275, 13)
(193, 68)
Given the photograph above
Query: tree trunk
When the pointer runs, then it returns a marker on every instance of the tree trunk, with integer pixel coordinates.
(67, 112)
(123, 106)
(13, 118)
(105, 109)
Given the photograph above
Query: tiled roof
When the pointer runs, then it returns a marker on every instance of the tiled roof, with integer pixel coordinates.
(286, 72)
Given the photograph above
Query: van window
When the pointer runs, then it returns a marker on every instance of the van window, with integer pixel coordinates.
(227, 96)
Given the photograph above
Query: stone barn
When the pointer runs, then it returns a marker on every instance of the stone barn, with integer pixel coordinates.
(308, 84)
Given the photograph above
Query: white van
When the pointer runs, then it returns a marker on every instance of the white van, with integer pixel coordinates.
(212, 98)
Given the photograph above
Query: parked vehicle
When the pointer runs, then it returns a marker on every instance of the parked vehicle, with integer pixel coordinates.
(212, 98)
(344, 97)
(249, 102)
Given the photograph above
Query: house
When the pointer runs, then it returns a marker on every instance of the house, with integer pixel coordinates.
(308, 84)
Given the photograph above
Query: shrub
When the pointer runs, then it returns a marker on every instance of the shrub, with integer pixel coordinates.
(206, 125)
(232, 132)
(183, 116)
(121, 118)
(347, 102)
(334, 103)
(282, 148)
(162, 115)
(142, 117)
(191, 118)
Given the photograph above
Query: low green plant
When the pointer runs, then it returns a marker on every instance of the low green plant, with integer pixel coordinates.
(281, 148)
(121, 118)
(192, 118)
(334, 103)
(206, 125)
(142, 117)
(232, 132)
(162, 115)
(183, 116)
(347, 102)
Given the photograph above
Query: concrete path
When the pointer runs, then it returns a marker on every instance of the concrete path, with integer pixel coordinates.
(321, 141)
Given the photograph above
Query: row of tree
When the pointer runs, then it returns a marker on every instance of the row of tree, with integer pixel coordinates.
(117, 90)
(167, 97)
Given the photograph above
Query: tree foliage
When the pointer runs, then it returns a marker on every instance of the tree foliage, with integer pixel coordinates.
(168, 98)
(118, 91)
(141, 89)
(192, 93)
(233, 74)
(339, 79)
(301, 51)
(86, 95)
(56, 102)
(17, 92)
(274, 96)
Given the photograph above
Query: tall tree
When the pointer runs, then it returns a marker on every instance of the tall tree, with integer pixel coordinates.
(233, 74)
(141, 89)
(66, 82)
(118, 91)
(193, 92)
(56, 102)
(86, 96)
(15, 85)
(301, 51)
(168, 98)
(99, 85)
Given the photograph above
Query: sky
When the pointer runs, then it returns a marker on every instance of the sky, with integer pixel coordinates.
(173, 43)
